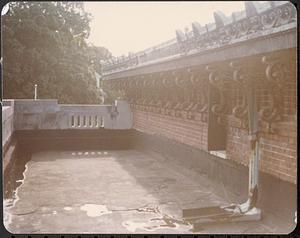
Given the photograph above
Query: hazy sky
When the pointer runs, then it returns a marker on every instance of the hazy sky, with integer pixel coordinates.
(124, 27)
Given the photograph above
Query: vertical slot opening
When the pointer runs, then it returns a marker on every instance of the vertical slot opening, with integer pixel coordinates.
(84, 121)
(90, 121)
(102, 122)
(78, 121)
(96, 121)
(72, 121)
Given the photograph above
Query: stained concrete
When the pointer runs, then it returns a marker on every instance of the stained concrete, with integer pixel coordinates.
(118, 192)
(275, 195)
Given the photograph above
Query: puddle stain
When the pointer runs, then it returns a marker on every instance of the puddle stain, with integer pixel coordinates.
(94, 210)
(163, 221)
(134, 226)
(14, 180)
(155, 224)
(68, 208)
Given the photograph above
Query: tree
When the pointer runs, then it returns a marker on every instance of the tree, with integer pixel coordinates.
(44, 43)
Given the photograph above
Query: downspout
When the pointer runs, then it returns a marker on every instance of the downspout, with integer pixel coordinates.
(254, 153)
(254, 143)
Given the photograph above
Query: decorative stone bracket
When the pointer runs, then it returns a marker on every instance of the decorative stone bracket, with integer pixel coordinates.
(184, 93)
(181, 94)
(244, 77)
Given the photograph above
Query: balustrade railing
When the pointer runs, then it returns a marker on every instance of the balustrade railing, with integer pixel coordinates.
(86, 121)
(86, 117)
(250, 23)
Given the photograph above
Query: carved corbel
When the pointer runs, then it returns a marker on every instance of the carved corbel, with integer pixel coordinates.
(277, 74)
(169, 87)
(139, 85)
(182, 93)
(160, 93)
(149, 102)
(132, 90)
(219, 81)
(200, 94)
(243, 82)
(178, 92)
(147, 83)
(137, 90)
(155, 93)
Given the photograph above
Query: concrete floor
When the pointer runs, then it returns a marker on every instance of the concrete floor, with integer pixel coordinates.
(117, 192)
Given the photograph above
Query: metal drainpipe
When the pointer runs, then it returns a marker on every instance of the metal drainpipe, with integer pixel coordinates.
(254, 142)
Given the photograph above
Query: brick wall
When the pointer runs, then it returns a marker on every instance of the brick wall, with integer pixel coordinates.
(237, 146)
(277, 151)
(186, 131)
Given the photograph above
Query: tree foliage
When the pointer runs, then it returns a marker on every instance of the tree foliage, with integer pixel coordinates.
(44, 43)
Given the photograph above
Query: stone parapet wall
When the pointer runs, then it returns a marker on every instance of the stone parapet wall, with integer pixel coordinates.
(39, 116)
(48, 114)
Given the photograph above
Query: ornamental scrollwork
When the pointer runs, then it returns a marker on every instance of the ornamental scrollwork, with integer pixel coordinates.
(277, 74)
(218, 80)
(242, 82)
(182, 93)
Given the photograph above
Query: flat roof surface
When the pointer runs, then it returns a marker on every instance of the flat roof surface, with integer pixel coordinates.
(124, 191)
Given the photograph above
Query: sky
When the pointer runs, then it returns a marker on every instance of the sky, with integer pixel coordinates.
(124, 27)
